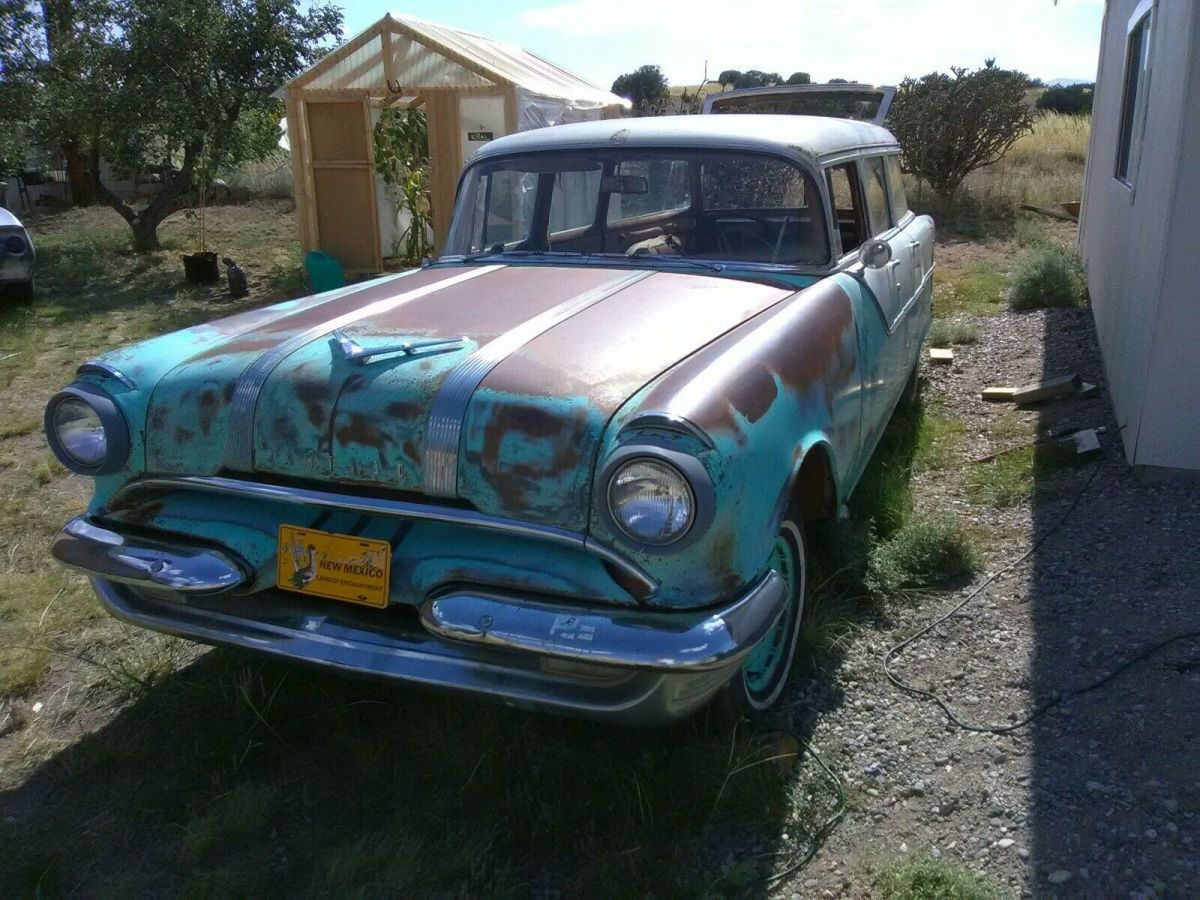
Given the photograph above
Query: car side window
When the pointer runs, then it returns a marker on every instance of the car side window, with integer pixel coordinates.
(847, 205)
(896, 193)
(877, 195)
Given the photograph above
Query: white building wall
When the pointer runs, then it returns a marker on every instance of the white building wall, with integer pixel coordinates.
(1124, 233)
(1170, 432)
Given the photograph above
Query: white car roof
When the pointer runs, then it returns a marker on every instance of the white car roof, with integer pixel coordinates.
(813, 137)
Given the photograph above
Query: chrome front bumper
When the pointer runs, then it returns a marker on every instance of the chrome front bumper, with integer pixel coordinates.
(632, 666)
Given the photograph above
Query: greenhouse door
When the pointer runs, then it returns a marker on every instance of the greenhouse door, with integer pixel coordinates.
(343, 181)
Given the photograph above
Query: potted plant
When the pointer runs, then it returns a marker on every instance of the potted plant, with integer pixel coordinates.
(201, 267)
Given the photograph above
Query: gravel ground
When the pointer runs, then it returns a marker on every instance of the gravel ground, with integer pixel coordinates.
(1101, 795)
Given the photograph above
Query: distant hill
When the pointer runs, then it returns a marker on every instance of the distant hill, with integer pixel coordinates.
(1067, 82)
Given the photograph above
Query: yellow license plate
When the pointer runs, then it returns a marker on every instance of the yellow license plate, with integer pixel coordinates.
(335, 566)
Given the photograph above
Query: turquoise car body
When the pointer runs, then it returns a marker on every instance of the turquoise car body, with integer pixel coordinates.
(469, 413)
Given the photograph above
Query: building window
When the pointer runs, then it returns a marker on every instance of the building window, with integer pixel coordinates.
(1133, 102)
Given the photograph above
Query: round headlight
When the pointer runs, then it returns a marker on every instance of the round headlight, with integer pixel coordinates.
(651, 501)
(80, 432)
(86, 430)
(14, 244)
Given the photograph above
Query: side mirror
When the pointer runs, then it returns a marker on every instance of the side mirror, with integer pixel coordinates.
(875, 254)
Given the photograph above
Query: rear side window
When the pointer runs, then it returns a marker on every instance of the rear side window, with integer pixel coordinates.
(876, 192)
(847, 205)
(896, 188)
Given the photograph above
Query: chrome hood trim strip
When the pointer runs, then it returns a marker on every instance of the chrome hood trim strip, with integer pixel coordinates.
(444, 430)
(239, 447)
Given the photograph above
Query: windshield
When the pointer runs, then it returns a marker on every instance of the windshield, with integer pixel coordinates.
(718, 206)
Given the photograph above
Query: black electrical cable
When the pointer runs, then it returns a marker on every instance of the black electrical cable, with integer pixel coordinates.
(1056, 700)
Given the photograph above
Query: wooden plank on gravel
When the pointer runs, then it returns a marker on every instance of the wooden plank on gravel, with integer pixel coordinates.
(998, 394)
(1047, 390)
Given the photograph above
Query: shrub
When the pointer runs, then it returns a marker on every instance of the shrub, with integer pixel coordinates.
(950, 334)
(934, 879)
(646, 87)
(1045, 276)
(1071, 100)
(925, 551)
(951, 125)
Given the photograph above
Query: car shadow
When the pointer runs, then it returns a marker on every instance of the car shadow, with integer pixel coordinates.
(1113, 798)
(238, 776)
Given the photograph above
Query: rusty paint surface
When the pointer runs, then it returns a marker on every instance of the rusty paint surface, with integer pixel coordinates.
(534, 428)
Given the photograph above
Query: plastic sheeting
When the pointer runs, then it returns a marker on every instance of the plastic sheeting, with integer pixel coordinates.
(539, 111)
(427, 55)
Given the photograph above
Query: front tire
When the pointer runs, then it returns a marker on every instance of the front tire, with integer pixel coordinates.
(759, 683)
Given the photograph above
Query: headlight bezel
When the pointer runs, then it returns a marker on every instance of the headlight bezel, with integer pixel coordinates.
(694, 475)
(112, 420)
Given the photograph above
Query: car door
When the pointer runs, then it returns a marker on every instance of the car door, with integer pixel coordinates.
(916, 233)
(892, 284)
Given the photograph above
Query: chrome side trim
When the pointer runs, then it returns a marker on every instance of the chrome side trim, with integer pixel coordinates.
(449, 409)
(672, 641)
(83, 544)
(398, 508)
(239, 448)
(904, 310)
(99, 367)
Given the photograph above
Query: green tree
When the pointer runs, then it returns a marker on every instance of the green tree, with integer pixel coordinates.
(730, 77)
(1071, 100)
(799, 78)
(950, 125)
(181, 86)
(646, 87)
(21, 50)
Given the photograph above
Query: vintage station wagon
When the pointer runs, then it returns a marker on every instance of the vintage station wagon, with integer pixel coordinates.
(568, 465)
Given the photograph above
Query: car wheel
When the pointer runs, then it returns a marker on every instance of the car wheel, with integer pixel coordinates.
(764, 673)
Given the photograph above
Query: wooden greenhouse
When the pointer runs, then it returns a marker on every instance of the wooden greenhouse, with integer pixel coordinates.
(472, 89)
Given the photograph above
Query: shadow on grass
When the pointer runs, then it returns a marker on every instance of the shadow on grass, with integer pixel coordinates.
(237, 775)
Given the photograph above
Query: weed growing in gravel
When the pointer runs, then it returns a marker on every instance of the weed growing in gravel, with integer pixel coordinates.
(939, 443)
(1031, 233)
(1046, 276)
(946, 333)
(977, 290)
(1010, 479)
(931, 878)
(926, 551)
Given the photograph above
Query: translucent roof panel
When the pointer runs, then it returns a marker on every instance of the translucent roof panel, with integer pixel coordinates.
(427, 55)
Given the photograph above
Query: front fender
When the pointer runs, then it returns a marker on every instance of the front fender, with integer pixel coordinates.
(750, 407)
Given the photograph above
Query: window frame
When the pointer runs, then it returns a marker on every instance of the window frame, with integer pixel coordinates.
(1131, 126)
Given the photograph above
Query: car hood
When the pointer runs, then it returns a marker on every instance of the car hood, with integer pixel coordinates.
(507, 415)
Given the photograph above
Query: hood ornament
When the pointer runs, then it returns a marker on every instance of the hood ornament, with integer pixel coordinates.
(356, 352)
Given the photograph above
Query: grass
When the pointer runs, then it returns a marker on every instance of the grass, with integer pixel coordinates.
(1011, 478)
(94, 293)
(930, 878)
(973, 289)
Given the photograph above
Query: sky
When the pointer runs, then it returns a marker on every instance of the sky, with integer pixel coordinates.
(876, 41)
